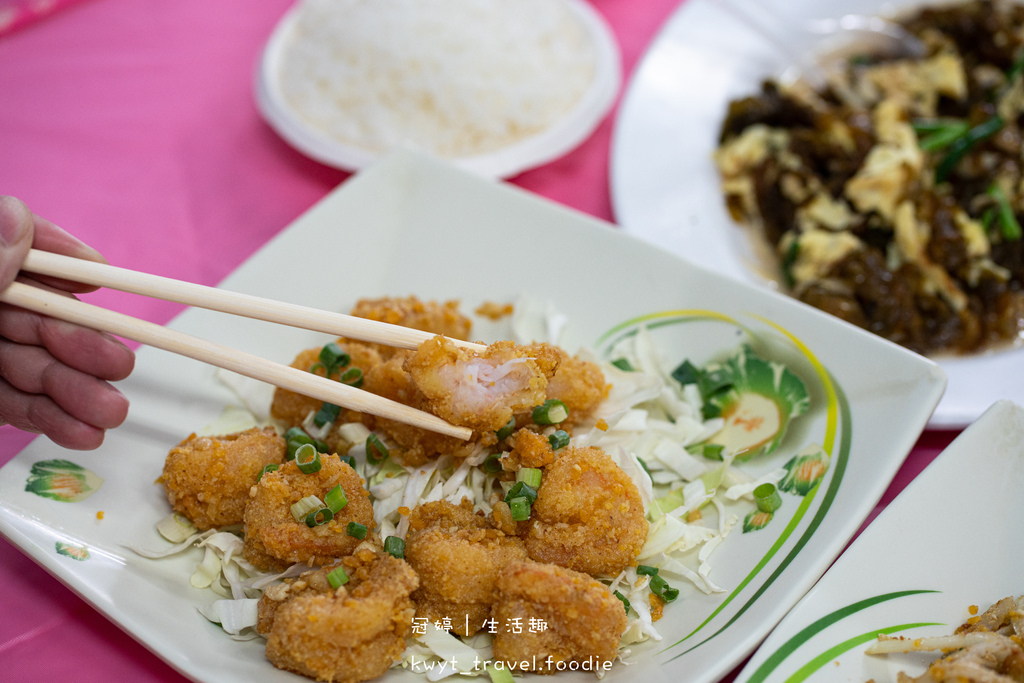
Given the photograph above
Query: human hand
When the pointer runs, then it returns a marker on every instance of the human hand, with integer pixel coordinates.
(54, 376)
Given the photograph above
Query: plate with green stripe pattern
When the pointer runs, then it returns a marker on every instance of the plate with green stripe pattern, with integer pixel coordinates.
(949, 543)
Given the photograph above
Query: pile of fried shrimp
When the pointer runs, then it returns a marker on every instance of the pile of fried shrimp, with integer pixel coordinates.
(348, 618)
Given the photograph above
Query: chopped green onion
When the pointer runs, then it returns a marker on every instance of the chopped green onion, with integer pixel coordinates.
(352, 377)
(943, 137)
(686, 373)
(623, 364)
(660, 587)
(348, 460)
(327, 414)
(520, 507)
(789, 259)
(559, 439)
(307, 458)
(337, 577)
(305, 506)
(336, 499)
(492, 465)
(767, 498)
(711, 451)
(272, 467)
(296, 437)
(530, 475)
(319, 517)
(507, 430)
(499, 675)
(551, 412)
(334, 357)
(962, 145)
(646, 570)
(643, 464)
(376, 451)
(625, 602)
(1008, 223)
(356, 530)
(521, 489)
(395, 546)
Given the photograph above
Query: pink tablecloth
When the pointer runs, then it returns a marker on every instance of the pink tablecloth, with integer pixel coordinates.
(131, 124)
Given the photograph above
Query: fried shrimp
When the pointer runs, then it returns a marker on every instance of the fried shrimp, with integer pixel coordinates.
(207, 478)
(274, 540)
(428, 316)
(577, 383)
(347, 635)
(457, 555)
(588, 515)
(583, 621)
(481, 391)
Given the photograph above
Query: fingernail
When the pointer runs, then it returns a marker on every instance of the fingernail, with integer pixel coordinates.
(14, 221)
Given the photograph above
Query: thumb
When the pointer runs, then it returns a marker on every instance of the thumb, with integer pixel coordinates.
(15, 238)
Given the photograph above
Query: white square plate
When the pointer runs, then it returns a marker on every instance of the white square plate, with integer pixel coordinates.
(949, 541)
(411, 225)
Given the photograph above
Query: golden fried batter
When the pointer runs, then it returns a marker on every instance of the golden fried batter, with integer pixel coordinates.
(274, 540)
(562, 616)
(579, 384)
(428, 316)
(529, 449)
(207, 478)
(293, 408)
(481, 391)
(588, 515)
(347, 636)
(457, 556)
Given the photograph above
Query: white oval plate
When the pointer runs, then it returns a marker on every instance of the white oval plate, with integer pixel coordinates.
(412, 225)
(665, 186)
(948, 541)
(558, 139)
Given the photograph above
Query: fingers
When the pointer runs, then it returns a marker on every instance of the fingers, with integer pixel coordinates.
(32, 371)
(40, 414)
(80, 348)
(16, 233)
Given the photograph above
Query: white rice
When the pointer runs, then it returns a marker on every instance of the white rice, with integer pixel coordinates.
(451, 77)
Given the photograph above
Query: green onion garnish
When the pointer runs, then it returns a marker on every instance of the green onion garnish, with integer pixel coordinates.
(307, 458)
(643, 463)
(376, 451)
(520, 507)
(521, 489)
(337, 577)
(1009, 226)
(660, 587)
(530, 475)
(492, 465)
(767, 498)
(348, 460)
(352, 377)
(551, 412)
(623, 364)
(507, 430)
(686, 373)
(646, 570)
(942, 135)
(963, 144)
(395, 546)
(327, 414)
(272, 467)
(559, 439)
(296, 437)
(625, 602)
(336, 499)
(499, 675)
(305, 506)
(319, 517)
(334, 357)
(356, 530)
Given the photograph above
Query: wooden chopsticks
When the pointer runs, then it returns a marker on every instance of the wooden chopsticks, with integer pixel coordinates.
(306, 383)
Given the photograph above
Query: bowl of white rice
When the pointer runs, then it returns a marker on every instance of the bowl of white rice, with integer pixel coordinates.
(493, 86)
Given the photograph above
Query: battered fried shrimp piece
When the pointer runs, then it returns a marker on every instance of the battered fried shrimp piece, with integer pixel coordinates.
(428, 316)
(274, 540)
(357, 568)
(579, 384)
(207, 478)
(457, 556)
(348, 635)
(415, 445)
(582, 619)
(293, 408)
(481, 391)
(588, 515)
(529, 449)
